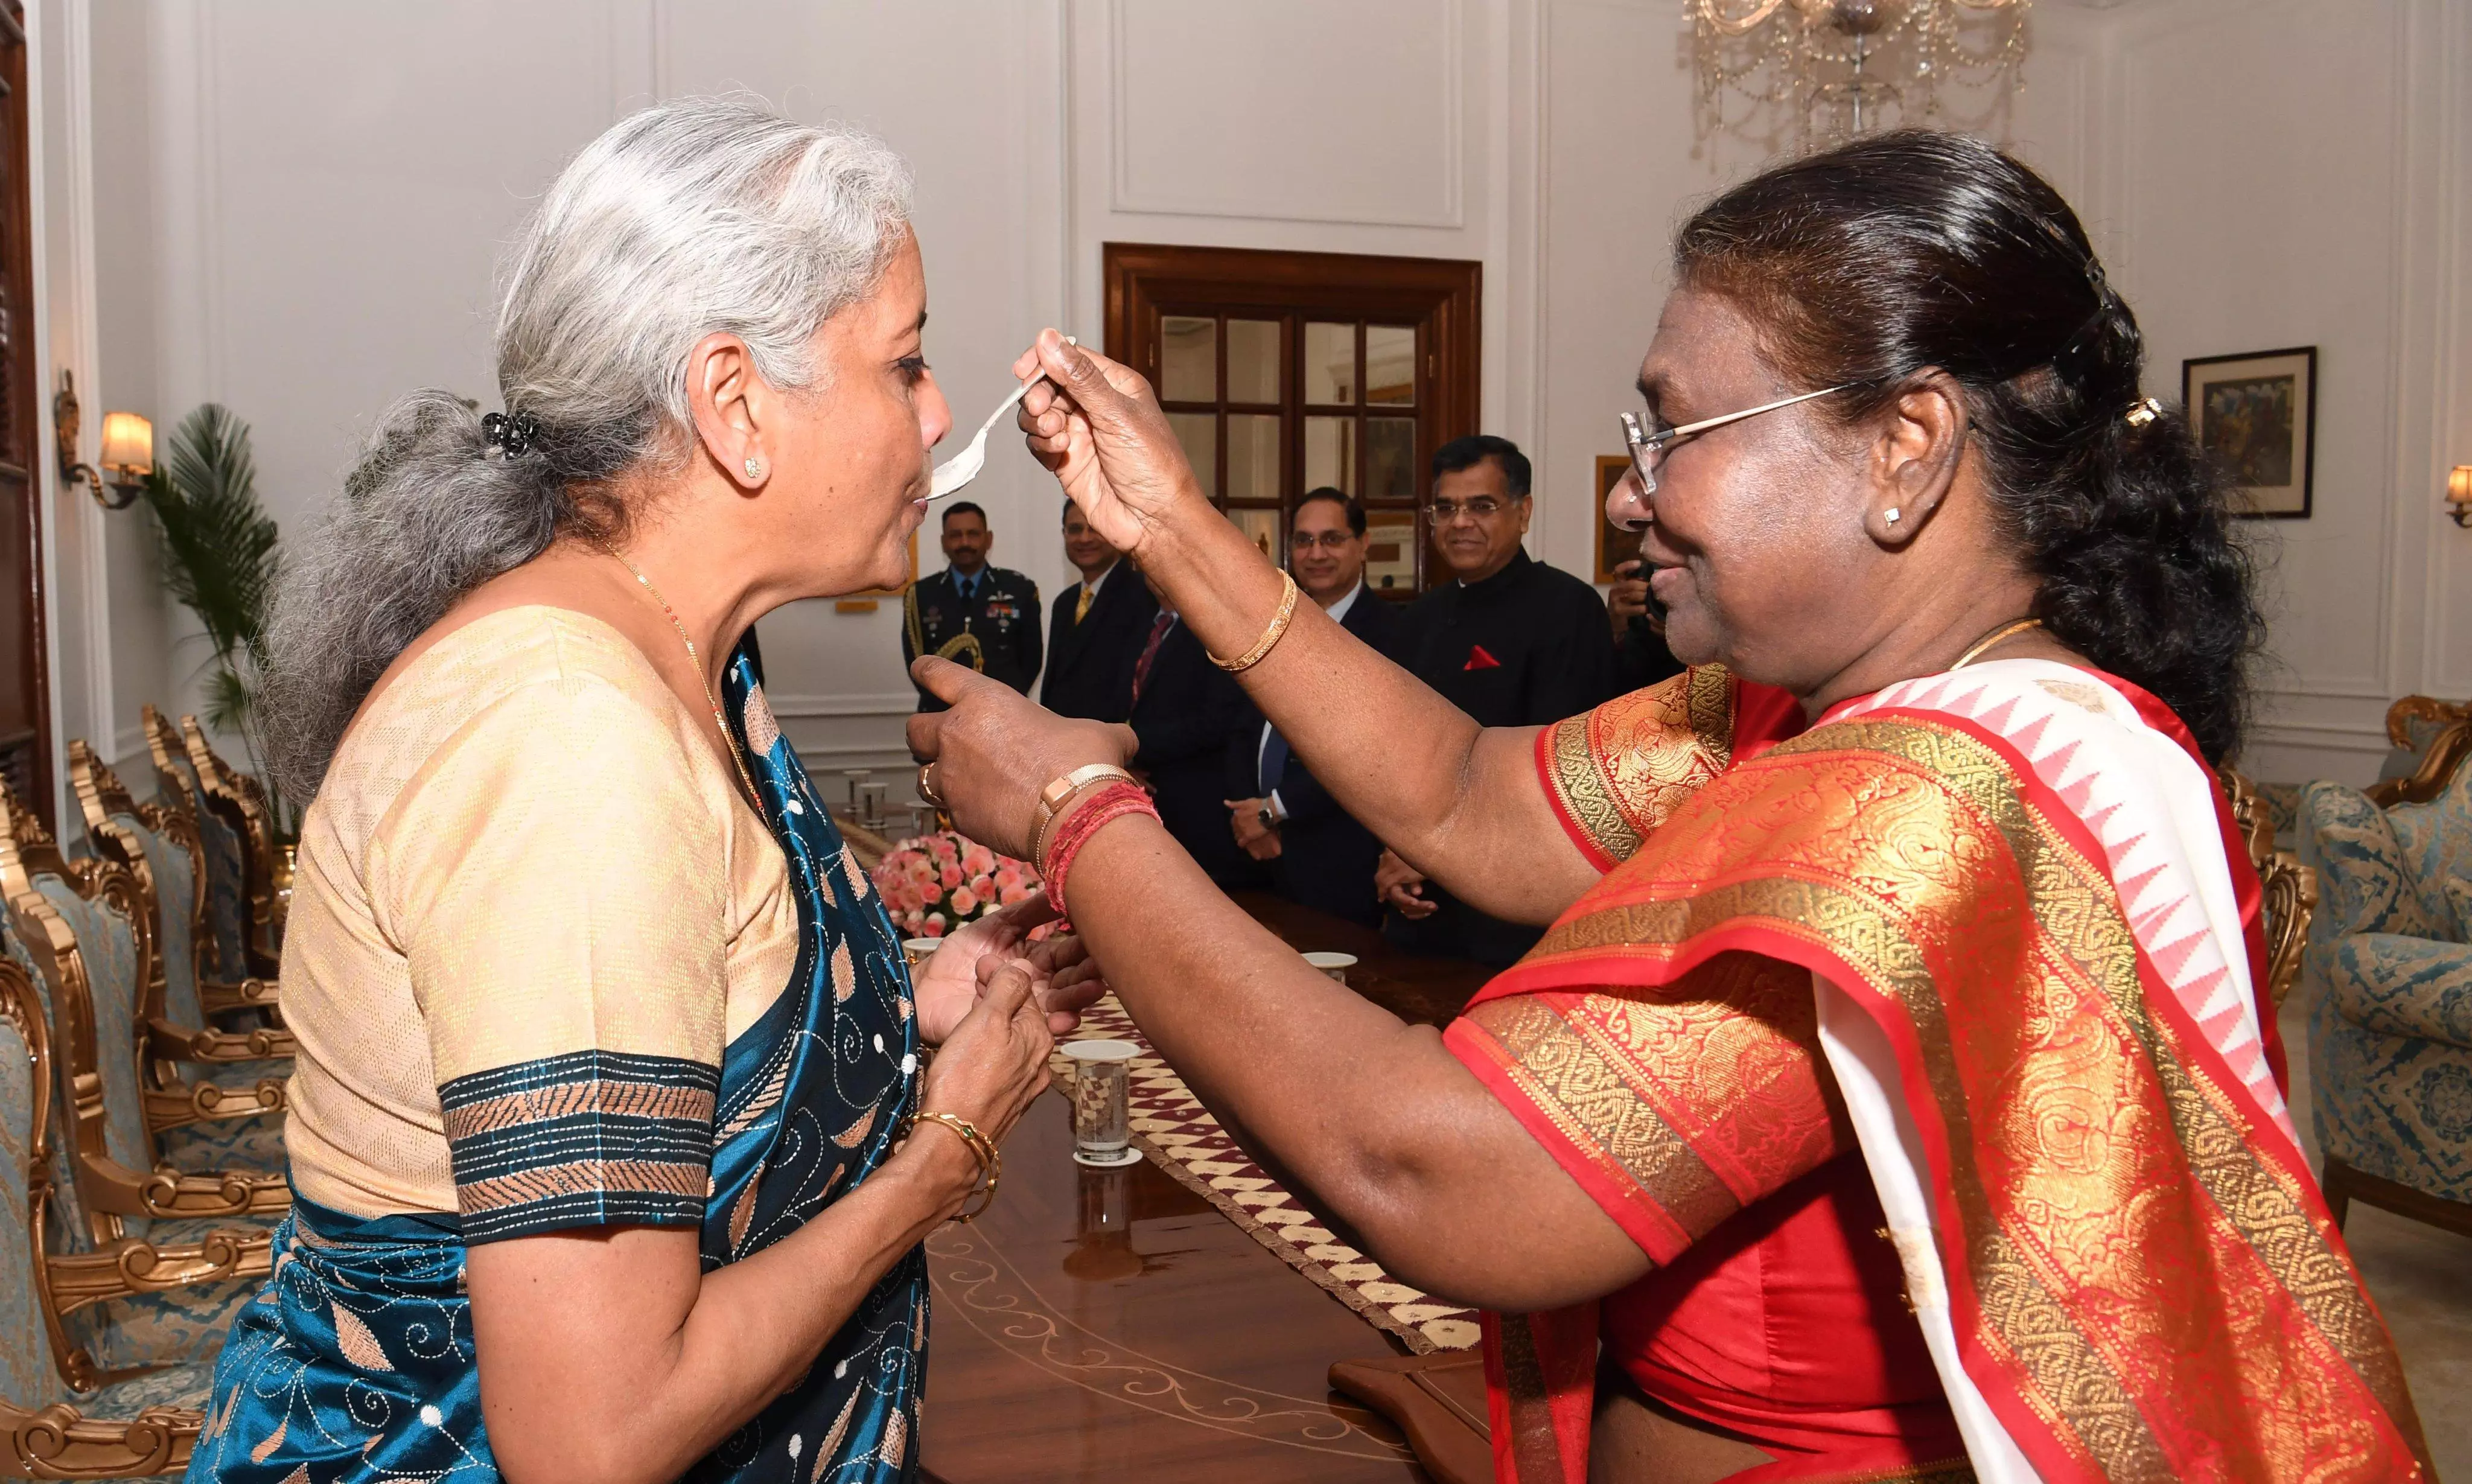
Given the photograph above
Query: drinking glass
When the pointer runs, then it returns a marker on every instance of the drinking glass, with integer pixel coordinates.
(1102, 1131)
(855, 778)
(871, 804)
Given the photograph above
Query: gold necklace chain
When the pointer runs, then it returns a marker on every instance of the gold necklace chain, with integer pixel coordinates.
(1976, 648)
(728, 739)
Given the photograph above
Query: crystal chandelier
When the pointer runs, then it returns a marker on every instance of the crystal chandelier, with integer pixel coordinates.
(1831, 69)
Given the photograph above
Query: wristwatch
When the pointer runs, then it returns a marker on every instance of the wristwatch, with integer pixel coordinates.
(1262, 812)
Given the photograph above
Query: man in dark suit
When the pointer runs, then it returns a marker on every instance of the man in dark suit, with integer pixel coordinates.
(1510, 641)
(980, 616)
(1318, 855)
(1096, 634)
(1184, 709)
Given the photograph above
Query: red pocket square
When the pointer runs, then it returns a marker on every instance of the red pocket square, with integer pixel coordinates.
(1479, 660)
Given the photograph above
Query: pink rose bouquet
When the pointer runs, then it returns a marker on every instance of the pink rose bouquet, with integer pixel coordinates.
(933, 884)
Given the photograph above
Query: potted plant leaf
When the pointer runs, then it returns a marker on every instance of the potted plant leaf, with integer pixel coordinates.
(221, 553)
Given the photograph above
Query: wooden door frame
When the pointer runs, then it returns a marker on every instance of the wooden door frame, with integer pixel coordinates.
(1140, 275)
(1442, 296)
(31, 452)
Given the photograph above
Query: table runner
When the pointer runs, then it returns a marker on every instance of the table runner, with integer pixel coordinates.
(1171, 1128)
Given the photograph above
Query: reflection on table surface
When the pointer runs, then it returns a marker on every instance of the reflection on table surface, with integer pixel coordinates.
(1112, 1325)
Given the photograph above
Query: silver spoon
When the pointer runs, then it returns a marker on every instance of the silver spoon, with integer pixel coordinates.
(964, 466)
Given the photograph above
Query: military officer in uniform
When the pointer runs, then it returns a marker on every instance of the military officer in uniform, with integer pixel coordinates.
(979, 616)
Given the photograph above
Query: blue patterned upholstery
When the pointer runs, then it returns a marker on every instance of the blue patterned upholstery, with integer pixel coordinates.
(226, 881)
(28, 1377)
(107, 944)
(185, 1324)
(242, 1144)
(176, 901)
(2389, 971)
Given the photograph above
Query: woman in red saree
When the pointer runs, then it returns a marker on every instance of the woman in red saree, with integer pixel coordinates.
(1890, 1095)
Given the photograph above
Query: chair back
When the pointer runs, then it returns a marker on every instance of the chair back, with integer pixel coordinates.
(160, 844)
(224, 951)
(2291, 888)
(241, 801)
(82, 926)
(29, 1377)
(2430, 740)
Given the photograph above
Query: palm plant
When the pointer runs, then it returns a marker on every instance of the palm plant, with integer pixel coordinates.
(221, 555)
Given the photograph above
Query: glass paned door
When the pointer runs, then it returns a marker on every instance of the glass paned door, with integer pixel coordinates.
(1284, 373)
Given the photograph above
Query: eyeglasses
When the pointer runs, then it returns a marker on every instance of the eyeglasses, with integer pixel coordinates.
(1484, 507)
(1328, 541)
(1647, 450)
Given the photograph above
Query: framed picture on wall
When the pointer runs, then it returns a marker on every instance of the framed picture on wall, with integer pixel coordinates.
(1614, 545)
(2258, 415)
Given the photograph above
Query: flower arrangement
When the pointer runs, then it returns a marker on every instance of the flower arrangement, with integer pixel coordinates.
(933, 884)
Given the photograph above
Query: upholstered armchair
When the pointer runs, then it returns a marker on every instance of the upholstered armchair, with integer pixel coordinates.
(2430, 739)
(241, 802)
(199, 1237)
(231, 971)
(141, 1420)
(2289, 888)
(2389, 966)
(213, 1096)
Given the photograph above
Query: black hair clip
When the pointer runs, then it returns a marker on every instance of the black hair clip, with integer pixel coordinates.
(516, 433)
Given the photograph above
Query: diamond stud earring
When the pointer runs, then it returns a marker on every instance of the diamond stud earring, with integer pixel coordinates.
(1890, 518)
(755, 469)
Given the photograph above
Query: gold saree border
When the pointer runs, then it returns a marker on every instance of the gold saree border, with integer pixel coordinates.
(1620, 771)
(1954, 811)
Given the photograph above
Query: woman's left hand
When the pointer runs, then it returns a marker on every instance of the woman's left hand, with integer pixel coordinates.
(1064, 978)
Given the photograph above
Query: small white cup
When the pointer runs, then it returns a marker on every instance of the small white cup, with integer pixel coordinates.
(918, 950)
(1334, 965)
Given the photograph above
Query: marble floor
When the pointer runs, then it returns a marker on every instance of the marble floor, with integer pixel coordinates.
(2421, 1277)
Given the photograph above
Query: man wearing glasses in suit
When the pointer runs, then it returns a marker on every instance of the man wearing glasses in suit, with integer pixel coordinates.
(1317, 854)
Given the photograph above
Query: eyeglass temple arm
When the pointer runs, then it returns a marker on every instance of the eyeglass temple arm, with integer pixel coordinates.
(1705, 423)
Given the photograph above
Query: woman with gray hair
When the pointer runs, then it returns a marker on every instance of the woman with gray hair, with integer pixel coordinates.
(602, 1135)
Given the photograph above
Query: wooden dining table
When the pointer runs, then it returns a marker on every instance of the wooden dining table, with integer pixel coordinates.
(1111, 1325)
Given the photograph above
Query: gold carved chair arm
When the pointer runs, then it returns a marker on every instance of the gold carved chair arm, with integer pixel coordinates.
(210, 1102)
(132, 1267)
(61, 1443)
(114, 1190)
(247, 995)
(2290, 900)
(169, 1043)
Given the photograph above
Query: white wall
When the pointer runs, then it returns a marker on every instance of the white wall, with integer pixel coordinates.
(297, 206)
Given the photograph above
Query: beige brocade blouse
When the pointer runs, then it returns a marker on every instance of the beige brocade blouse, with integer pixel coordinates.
(524, 850)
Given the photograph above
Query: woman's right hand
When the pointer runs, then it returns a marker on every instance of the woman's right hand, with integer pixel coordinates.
(994, 1064)
(1096, 425)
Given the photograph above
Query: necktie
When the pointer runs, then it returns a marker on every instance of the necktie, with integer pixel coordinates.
(966, 586)
(1274, 760)
(1082, 607)
(1159, 627)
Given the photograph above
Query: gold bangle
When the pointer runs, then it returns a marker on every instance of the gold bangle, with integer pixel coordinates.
(990, 1160)
(1058, 793)
(1269, 635)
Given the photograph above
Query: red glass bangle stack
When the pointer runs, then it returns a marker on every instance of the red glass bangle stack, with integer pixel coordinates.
(1110, 803)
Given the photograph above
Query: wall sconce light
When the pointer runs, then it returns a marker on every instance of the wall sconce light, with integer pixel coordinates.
(2458, 495)
(127, 450)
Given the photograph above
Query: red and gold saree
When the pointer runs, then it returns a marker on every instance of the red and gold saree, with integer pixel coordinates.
(1993, 933)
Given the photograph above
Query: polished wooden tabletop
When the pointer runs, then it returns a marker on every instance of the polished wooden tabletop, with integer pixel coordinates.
(1112, 1325)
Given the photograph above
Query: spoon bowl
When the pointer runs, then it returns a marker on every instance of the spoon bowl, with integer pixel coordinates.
(964, 466)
